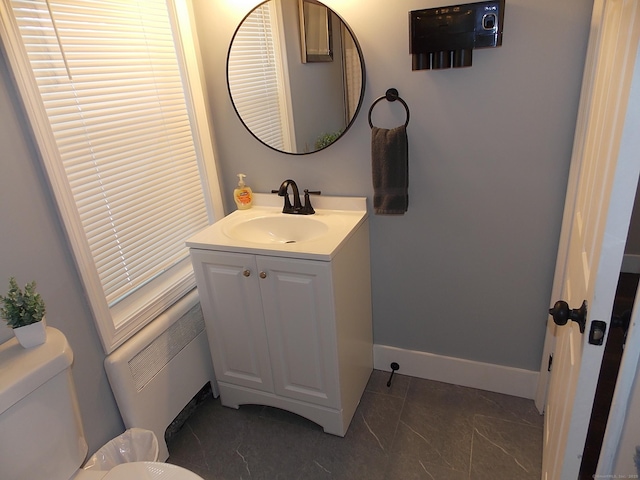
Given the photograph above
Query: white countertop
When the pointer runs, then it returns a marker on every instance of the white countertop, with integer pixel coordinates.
(342, 215)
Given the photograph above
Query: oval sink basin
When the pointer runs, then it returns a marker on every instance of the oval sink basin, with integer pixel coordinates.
(278, 229)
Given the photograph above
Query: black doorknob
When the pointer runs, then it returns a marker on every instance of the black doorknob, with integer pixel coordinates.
(561, 314)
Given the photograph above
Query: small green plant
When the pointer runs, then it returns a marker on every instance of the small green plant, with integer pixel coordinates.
(327, 139)
(20, 308)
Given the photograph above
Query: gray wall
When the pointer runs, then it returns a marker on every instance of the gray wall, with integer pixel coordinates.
(467, 271)
(33, 247)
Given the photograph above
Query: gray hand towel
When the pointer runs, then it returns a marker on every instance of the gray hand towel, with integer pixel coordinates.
(390, 169)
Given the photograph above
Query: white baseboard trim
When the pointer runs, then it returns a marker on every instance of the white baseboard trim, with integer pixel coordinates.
(468, 373)
(630, 263)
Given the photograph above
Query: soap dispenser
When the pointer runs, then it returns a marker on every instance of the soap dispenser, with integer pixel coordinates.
(243, 194)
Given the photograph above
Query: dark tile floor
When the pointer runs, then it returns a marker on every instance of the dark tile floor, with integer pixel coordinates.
(417, 429)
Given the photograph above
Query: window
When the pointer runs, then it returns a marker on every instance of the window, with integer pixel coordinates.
(112, 105)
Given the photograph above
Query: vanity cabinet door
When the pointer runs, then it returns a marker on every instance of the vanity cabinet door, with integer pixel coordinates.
(232, 308)
(298, 305)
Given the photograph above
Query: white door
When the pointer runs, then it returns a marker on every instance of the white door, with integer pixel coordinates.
(602, 184)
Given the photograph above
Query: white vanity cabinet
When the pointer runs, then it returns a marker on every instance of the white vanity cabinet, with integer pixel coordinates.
(293, 333)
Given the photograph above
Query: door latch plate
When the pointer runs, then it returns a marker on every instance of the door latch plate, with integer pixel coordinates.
(597, 331)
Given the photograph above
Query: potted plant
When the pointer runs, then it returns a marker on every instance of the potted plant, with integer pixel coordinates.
(24, 312)
(327, 139)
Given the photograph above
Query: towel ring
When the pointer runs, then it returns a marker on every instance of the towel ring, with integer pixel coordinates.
(391, 95)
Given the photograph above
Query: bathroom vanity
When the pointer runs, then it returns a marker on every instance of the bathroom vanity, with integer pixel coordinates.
(287, 306)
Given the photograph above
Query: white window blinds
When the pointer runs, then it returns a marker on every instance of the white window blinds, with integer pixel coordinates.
(111, 85)
(254, 76)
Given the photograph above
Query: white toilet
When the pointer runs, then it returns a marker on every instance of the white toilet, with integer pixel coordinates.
(41, 436)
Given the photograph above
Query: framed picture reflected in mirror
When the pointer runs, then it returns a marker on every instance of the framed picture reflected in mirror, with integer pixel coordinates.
(315, 32)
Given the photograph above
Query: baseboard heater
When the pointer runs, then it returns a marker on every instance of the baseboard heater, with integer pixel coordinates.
(156, 373)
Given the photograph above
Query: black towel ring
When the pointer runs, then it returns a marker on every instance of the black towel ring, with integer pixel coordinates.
(391, 95)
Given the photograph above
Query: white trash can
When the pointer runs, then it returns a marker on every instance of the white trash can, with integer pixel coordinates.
(134, 445)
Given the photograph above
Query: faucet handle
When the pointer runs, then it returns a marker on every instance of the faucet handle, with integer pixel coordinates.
(307, 209)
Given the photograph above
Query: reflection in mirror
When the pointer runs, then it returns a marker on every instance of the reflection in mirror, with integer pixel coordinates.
(315, 32)
(288, 105)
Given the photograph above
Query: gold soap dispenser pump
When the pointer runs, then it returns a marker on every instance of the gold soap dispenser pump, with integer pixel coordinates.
(243, 194)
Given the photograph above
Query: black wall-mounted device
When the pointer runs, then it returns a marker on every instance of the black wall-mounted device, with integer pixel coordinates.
(445, 37)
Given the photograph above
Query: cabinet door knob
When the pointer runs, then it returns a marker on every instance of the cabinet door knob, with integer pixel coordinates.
(246, 272)
(263, 274)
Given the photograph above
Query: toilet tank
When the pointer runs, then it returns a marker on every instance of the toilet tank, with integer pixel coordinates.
(41, 432)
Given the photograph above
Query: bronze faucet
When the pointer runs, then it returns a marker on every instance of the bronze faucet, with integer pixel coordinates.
(297, 208)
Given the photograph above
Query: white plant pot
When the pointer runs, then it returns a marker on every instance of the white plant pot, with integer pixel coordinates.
(31, 335)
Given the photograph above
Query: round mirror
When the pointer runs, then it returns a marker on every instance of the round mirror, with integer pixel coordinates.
(295, 74)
